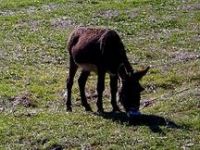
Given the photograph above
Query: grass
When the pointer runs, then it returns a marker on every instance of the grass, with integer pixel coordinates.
(34, 64)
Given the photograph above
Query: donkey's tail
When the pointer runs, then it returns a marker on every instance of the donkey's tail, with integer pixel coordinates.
(73, 39)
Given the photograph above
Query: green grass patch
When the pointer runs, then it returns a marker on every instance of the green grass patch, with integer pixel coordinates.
(34, 68)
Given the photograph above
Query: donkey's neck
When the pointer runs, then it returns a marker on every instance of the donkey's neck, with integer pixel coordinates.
(125, 71)
(125, 68)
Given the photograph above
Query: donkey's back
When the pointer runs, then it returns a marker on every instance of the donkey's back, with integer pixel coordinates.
(92, 48)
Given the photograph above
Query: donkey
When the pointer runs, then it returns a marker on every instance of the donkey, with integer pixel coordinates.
(101, 50)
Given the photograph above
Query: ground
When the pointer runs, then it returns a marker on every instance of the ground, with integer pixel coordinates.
(164, 34)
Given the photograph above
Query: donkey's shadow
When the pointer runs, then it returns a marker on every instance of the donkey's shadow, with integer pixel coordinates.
(152, 121)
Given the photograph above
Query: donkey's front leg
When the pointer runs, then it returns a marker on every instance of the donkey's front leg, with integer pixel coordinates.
(113, 89)
(100, 89)
(82, 81)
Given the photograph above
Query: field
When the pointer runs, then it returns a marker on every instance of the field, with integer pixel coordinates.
(34, 65)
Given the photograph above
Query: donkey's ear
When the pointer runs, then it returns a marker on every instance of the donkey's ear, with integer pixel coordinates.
(138, 75)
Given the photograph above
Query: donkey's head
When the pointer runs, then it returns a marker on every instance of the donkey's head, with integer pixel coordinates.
(129, 94)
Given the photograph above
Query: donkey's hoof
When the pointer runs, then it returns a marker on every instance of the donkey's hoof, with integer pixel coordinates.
(69, 109)
(116, 109)
(100, 111)
(89, 109)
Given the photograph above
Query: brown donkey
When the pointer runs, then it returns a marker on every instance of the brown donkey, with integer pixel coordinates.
(101, 50)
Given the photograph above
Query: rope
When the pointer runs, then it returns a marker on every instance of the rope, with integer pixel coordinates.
(146, 103)
(163, 62)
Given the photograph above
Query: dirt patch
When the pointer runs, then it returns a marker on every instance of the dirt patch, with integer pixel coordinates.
(55, 147)
(1, 108)
(62, 23)
(30, 10)
(4, 103)
(50, 7)
(15, 53)
(3, 54)
(147, 103)
(109, 14)
(177, 56)
(189, 7)
(7, 13)
(133, 13)
(24, 99)
(32, 24)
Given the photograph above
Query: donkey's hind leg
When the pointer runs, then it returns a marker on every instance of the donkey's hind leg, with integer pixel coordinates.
(72, 71)
(82, 81)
